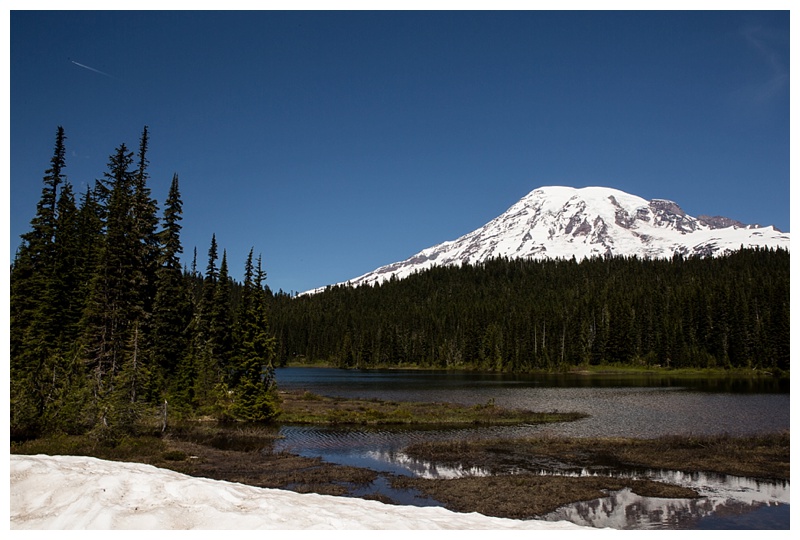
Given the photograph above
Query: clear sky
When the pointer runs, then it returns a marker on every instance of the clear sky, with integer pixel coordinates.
(336, 142)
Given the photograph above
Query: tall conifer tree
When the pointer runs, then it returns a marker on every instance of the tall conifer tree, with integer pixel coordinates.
(171, 309)
(145, 224)
(66, 294)
(33, 331)
(116, 308)
(201, 365)
(255, 397)
(221, 321)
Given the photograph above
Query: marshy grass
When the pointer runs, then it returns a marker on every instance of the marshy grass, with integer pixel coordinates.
(760, 456)
(235, 453)
(236, 437)
(120, 449)
(526, 496)
(302, 407)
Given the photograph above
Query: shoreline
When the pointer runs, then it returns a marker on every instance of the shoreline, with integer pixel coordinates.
(583, 370)
(245, 454)
(247, 458)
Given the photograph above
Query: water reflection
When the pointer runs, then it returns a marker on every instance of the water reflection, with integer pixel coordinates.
(648, 406)
(426, 469)
(626, 510)
(724, 499)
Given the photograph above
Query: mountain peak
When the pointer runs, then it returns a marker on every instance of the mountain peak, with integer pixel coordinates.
(554, 222)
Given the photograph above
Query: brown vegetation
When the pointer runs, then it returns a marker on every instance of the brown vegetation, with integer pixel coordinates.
(527, 494)
(301, 407)
(524, 496)
(266, 469)
(241, 455)
(765, 456)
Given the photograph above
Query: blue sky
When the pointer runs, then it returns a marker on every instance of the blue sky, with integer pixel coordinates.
(335, 142)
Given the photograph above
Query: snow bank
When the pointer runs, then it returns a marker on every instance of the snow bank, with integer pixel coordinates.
(69, 492)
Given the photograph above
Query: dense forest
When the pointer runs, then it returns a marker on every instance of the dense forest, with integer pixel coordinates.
(521, 315)
(107, 327)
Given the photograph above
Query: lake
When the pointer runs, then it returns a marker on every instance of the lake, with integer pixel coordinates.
(641, 405)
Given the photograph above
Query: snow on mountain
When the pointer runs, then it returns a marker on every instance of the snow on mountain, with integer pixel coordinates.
(562, 222)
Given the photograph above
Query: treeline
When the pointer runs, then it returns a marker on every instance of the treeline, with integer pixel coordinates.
(106, 327)
(518, 315)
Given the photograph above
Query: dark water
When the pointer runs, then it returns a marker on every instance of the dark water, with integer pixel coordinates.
(627, 406)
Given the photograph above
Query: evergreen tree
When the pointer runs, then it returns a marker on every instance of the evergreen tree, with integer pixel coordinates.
(209, 285)
(113, 317)
(171, 306)
(252, 391)
(201, 366)
(34, 264)
(145, 223)
(66, 294)
(221, 328)
(34, 329)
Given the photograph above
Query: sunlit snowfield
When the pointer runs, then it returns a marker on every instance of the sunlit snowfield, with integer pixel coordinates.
(72, 492)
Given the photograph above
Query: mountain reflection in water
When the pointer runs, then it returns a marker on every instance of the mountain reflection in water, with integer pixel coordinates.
(725, 502)
(724, 499)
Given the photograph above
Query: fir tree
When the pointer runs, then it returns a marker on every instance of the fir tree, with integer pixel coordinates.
(66, 295)
(145, 223)
(34, 264)
(34, 329)
(201, 367)
(116, 309)
(221, 320)
(252, 387)
(171, 307)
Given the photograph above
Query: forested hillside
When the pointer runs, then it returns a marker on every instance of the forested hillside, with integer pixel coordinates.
(517, 315)
(108, 329)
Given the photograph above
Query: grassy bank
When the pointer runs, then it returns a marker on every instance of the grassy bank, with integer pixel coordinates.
(762, 456)
(588, 370)
(714, 372)
(301, 407)
(514, 488)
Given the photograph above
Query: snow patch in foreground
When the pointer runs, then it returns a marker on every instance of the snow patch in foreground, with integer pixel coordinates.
(72, 492)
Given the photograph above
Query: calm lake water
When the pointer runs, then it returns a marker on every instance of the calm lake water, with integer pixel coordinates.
(628, 406)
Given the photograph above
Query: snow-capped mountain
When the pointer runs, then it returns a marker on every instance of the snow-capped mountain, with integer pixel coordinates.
(562, 222)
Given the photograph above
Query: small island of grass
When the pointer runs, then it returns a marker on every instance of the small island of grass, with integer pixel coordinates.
(301, 407)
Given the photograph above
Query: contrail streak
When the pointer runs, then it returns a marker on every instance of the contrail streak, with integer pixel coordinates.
(91, 69)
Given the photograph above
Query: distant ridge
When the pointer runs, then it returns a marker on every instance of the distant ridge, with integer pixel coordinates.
(563, 222)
